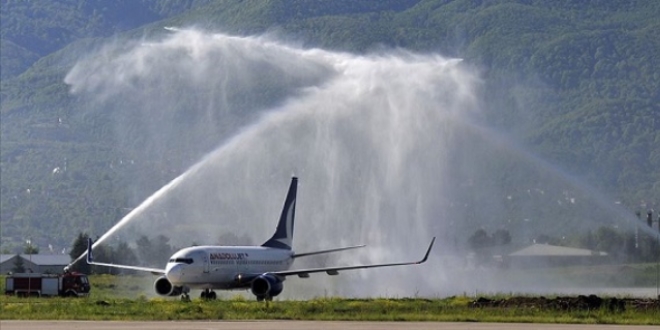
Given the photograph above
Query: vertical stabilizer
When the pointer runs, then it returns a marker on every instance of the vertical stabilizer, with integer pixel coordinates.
(283, 237)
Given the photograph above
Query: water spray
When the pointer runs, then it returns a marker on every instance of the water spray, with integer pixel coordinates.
(382, 143)
(149, 201)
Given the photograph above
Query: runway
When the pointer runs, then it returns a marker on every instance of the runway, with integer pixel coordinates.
(296, 325)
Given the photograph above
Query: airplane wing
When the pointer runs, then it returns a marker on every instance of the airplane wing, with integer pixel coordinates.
(90, 260)
(304, 273)
(326, 251)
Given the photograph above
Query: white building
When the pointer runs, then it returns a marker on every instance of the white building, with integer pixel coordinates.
(37, 263)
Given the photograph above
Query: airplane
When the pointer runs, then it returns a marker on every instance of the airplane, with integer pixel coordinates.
(261, 269)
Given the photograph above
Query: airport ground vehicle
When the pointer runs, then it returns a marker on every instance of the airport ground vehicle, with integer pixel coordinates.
(71, 284)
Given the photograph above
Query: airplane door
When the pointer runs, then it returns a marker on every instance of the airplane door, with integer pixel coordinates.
(207, 265)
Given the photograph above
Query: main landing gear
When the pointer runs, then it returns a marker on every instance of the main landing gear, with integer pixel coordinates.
(208, 295)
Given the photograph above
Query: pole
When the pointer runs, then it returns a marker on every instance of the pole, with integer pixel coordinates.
(29, 250)
(657, 262)
(639, 217)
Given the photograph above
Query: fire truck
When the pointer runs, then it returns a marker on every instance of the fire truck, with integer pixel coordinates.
(70, 284)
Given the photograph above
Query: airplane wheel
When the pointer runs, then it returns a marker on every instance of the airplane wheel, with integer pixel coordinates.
(203, 295)
(211, 295)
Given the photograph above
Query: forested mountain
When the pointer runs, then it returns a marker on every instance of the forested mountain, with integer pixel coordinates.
(576, 81)
(34, 29)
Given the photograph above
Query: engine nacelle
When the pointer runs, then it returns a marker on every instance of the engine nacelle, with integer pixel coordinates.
(267, 286)
(164, 287)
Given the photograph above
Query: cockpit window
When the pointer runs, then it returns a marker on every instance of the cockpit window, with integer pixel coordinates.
(182, 260)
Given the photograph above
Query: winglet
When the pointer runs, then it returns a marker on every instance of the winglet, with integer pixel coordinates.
(90, 258)
(426, 256)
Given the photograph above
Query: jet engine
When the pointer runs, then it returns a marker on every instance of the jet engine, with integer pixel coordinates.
(164, 288)
(266, 286)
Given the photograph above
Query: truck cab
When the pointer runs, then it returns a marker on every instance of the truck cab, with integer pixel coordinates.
(74, 284)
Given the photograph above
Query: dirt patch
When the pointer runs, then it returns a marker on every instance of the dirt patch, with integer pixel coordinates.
(590, 302)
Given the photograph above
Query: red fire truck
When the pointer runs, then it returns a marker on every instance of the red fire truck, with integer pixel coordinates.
(71, 284)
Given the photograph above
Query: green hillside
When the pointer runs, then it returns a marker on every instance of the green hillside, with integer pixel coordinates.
(578, 82)
(34, 29)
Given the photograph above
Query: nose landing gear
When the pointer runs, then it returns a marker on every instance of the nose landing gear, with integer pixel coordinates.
(184, 294)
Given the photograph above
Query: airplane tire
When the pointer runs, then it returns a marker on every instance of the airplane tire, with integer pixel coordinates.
(212, 295)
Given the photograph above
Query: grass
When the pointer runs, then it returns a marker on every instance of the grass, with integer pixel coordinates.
(120, 298)
(454, 309)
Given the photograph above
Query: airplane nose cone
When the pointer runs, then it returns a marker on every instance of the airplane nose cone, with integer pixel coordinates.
(175, 274)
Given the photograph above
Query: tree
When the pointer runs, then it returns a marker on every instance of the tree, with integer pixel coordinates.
(501, 237)
(125, 255)
(18, 265)
(610, 240)
(163, 250)
(30, 249)
(228, 238)
(546, 239)
(630, 249)
(154, 253)
(104, 254)
(144, 249)
(588, 241)
(480, 239)
(79, 247)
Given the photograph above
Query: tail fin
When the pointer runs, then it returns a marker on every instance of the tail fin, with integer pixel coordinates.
(283, 237)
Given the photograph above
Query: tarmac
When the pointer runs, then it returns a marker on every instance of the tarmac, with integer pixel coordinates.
(297, 325)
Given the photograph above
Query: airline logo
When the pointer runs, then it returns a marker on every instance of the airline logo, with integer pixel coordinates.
(228, 256)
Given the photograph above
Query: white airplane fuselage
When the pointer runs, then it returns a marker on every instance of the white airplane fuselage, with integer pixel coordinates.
(220, 267)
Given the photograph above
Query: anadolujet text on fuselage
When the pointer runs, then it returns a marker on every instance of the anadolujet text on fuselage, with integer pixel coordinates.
(261, 269)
